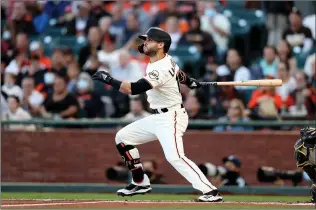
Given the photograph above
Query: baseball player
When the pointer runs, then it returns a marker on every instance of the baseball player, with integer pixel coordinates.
(305, 155)
(167, 124)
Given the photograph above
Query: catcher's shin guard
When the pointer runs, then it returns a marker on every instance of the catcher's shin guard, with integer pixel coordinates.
(132, 160)
(313, 191)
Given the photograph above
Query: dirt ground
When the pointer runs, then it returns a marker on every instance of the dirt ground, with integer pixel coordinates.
(104, 204)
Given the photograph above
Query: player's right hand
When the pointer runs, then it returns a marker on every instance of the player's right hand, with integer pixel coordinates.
(102, 76)
(193, 83)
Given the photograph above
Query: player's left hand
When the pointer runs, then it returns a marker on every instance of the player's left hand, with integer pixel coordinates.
(102, 76)
(194, 84)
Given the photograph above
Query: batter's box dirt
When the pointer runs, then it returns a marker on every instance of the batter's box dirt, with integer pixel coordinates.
(104, 204)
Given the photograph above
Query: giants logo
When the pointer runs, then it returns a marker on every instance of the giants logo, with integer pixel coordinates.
(153, 75)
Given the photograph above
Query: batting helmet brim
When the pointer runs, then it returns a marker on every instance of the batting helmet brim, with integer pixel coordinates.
(143, 37)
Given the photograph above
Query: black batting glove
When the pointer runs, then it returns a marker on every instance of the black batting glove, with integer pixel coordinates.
(193, 83)
(102, 76)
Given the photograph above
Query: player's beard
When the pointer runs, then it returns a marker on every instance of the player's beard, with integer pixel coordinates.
(150, 52)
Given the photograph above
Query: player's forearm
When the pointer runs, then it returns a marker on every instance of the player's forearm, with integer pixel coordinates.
(126, 88)
(134, 88)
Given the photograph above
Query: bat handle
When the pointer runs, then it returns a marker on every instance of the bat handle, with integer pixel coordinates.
(208, 83)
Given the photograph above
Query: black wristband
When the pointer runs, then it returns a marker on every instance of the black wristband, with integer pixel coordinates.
(115, 84)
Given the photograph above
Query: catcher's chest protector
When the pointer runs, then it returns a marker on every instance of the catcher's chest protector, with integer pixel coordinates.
(305, 155)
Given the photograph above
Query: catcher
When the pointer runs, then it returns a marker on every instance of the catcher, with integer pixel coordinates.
(305, 155)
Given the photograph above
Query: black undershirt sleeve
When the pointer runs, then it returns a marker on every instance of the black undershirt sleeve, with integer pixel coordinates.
(140, 86)
(183, 78)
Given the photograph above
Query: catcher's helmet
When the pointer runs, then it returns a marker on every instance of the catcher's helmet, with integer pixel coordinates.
(159, 35)
(308, 135)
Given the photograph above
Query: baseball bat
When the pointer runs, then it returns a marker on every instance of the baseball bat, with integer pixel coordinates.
(258, 83)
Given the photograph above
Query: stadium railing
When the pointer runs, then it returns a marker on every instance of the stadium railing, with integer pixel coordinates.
(90, 123)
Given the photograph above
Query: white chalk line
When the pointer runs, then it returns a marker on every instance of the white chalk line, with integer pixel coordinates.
(78, 202)
(51, 204)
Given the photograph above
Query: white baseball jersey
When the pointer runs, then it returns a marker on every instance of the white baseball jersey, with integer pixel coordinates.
(162, 75)
(168, 127)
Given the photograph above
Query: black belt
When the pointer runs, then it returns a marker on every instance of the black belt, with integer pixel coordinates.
(164, 110)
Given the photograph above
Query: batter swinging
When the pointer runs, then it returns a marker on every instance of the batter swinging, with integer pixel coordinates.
(167, 124)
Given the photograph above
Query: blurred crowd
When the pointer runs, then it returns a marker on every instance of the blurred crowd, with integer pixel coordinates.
(36, 83)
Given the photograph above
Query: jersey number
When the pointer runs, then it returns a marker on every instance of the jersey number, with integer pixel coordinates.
(172, 72)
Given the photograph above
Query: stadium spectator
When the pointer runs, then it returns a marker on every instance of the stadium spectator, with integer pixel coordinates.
(118, 19)
(93, 64)
(73, 72)
(82, 21)
(37, 50)
(172, 27)
(289, 83)
(131, 29)
(285, 54)
(127, 69)
(90, 103)
(15, 112)
(20, 56)
(277, 12)
(105, 25)
(32, 99)
(162, 15)
(109, 55)
(217, 25)
(93, 46)
(98, 10)
(137, 110)
(69, 56)
(265, 103)
(59, 62)
(309, 67)
(235, 113)
(36, 71)
(310, 22)
(193, 107)
(60, 104)
(297, 34)
(269, 63)
(4, 63)
(202, 40)
(10, 87)
(235, 70)
(302, 101)
(21, 21)
(144, 18)
(55, 9)
(4, 103)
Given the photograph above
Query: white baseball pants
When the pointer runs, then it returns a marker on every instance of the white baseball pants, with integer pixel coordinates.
(168, 128)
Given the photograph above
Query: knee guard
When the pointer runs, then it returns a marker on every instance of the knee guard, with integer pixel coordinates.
(132, 160)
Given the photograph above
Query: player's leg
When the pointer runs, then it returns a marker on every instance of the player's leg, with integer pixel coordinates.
(170, 138)
(126, 139)
(311, 172)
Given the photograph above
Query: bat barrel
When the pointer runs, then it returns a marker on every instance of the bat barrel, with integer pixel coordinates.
(258, 83)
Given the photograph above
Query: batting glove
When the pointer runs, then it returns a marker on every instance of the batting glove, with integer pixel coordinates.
(102, 76)
(193, 83)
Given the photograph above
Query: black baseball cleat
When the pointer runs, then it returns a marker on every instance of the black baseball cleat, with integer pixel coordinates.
(212, 196)
(133, 189)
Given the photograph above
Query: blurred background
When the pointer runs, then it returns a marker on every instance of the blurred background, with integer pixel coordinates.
(59, 126)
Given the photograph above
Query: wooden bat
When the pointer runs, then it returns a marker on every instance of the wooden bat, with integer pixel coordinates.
(258, 83)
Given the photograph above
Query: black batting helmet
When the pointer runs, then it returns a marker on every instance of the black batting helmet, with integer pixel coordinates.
(158, 35)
